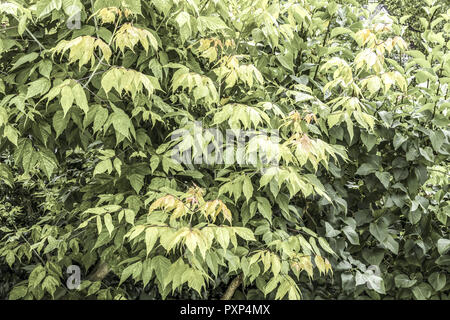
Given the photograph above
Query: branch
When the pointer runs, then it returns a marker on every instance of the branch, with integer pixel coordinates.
(41, 47)
(101, 271)
(103, 57)
(232, 287)
(323, 45)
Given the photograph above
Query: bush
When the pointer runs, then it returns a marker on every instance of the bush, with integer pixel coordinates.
(114, 116)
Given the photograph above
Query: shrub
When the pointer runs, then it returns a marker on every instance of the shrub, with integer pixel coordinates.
(348, 197)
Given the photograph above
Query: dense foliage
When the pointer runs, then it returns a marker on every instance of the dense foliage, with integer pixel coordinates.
(415, 16)
(95, 97)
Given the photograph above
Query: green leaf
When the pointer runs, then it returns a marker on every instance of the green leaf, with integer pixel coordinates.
(334, 119)
(340, 30)
(22, 24)
(108, 223)
(286, 61)
(271, 285)
(212, 23)
(264, 208)
(437, 280)
(129, 216)
(369, 140)
(422, 291)
(276, 265)
(384, 178)
(437, 139)
(391, 244)
(133, 5)
(80, 98)
(36, 276)
(38, 87)
(161, 266)
(136, 181)
(374, 256)
(24, 59)
(222, 237)
(103, 166)
(352, 236)
(100, 118)
(12, 134)
(121, 123)
(151, 235)
(403, 281)
(247, 188)
(399, 139)
(183, 20)
(18, 292)
(6, 175)
(128, 271)
(374, 84)
(67, 99)
(365, 169)
(325, 246)
(147, 272)
(99, 224)
(162, 6)
(245, 233)
(443, 246)
(378, 231)
(118, 166)
(45, 7)
(94, 287)
(376, 283)
(45, 68)
(47, 162)
(60, 122)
